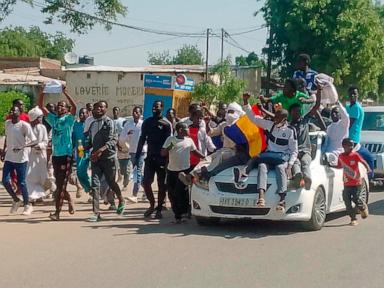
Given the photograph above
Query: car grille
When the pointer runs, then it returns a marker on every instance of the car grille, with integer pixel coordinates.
(231, 188)
(239, 211)
(374, 148)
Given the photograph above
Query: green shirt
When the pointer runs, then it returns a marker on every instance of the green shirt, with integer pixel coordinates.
(61, 134)
(287, 102)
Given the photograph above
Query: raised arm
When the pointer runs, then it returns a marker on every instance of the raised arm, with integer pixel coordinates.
(344, 117)
(40, 101)
(259, 121)
(71, 101)
(266, 112)
(316, 107)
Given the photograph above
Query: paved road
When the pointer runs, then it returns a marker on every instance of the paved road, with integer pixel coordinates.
(127, 251)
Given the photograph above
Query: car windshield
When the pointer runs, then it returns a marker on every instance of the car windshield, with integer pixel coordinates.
(373, 121)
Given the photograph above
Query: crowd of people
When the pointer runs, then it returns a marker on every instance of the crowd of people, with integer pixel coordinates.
(43, 145)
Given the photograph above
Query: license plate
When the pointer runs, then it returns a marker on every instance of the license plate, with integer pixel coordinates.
(237, 202)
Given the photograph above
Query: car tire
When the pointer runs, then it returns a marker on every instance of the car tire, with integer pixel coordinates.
(364, 192)
(207, 221)
(319, 211)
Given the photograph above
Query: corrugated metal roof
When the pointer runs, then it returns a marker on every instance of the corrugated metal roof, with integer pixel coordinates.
(22, 79)
(140, 69)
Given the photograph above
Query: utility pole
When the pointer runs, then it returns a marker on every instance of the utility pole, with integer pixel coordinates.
(206, 56)
(222, 44)
(269, 62)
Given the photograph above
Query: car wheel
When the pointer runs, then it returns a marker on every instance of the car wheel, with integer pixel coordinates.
(364, 192)
(207, 221)
(318, 211)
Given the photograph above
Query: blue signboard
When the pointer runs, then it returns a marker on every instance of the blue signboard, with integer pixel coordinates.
(187, 86)
(148, 103)
(158, 81)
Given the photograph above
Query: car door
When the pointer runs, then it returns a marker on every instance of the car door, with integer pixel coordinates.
(335, 186)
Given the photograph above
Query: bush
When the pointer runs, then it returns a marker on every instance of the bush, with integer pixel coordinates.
(6, 99)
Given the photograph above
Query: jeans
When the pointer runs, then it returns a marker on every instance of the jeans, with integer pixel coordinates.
(124, 170)
(21, 171)
(82, 164)
(301, 165)
(281, 177)
(367, 156)
(352, 194)
(138, 164)
(106, 167)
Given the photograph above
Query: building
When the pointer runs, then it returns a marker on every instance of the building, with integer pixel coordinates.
(123, 86)
(26, 73)
(120, 86)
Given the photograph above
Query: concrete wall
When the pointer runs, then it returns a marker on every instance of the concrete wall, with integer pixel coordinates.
(124, 90)
(251, 76)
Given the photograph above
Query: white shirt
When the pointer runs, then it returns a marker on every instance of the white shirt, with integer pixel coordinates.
(87, 123)
(17, 136)
(218, 130)
(134, 130)
(336, 132)
(119, 123)
(179, 155)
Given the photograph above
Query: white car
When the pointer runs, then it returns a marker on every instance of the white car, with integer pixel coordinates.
(222, 198)
(372, 138)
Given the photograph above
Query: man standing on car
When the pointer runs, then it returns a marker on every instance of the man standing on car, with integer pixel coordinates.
(356, 118)
(154, 130)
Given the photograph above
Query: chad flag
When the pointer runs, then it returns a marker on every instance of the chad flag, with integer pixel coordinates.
(244, 132)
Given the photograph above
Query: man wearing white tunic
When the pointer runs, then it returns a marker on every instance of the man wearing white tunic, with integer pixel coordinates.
(37, 175)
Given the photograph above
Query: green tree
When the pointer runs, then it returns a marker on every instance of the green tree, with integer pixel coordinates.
(228, 89)
(69, 12)
(186, 55)
(18, 41)
(344, 38)
(6, 104)
(251, 60)
(160, 58)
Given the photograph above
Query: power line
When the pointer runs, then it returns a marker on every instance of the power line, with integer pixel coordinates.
(151, 30)
(236, 46)
(249, 31)
(142, 29)
(135, 46)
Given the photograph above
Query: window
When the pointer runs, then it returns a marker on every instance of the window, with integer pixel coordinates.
(373, 121)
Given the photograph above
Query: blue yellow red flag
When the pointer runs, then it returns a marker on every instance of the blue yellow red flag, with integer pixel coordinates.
(245, 133)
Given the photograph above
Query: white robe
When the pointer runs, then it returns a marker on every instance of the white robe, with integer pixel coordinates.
(37, 173)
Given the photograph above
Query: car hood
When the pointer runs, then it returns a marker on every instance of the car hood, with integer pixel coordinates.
(227, 175)
(372, 137)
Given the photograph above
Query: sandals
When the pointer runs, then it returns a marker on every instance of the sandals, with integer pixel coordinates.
(281, 206)
(260, 203)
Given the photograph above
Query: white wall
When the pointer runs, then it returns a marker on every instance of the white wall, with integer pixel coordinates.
(124, 90)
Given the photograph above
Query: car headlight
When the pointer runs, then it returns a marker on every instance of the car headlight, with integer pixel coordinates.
(294, 209)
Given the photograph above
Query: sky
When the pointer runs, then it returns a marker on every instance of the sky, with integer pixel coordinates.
(131, 48)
